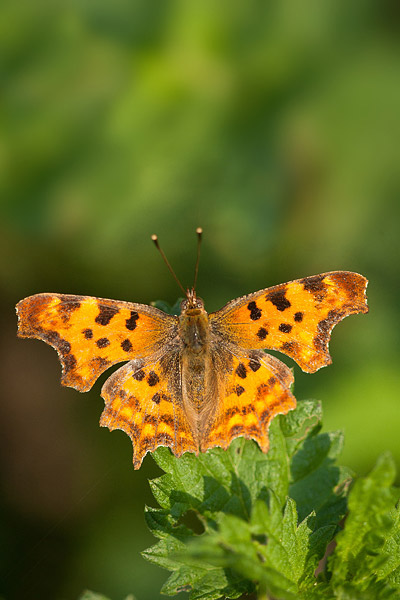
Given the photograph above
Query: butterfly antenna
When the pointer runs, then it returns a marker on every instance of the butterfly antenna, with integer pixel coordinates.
(165, 259)
(199, 232)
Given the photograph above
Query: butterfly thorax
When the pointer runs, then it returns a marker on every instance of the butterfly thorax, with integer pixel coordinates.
(194, 330)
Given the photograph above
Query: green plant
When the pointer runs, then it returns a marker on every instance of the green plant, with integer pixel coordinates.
(239, 521)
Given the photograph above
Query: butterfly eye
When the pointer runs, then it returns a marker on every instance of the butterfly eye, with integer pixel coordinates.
(184, 304)
(199, 303)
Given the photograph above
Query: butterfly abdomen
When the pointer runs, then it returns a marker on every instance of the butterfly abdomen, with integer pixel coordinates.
(198, 376)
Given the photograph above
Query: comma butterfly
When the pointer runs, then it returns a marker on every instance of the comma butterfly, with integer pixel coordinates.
(197, 380)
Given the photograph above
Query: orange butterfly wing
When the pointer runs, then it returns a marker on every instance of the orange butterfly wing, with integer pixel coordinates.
(142, 400)
(92, 334)
(256, 390)
(295, 318)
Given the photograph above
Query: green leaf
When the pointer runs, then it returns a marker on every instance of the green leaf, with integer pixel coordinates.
(367, 556)
(233, 549)
(390, 569)
(271, 549)
(300, 423)
(294, 548)
(170, 309)
(219, 480)
(266, 519)
(315, 476)
(251, 530)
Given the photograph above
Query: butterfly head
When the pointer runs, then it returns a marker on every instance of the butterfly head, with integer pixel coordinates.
(191, 301)
(193, 327)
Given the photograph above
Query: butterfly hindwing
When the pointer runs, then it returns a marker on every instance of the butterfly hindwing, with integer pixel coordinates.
(256, 390)
(295, 318)
(91, 334)
(142, 399)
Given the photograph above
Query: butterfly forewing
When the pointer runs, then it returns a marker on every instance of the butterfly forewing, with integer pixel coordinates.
(92, 334)
(295, 318)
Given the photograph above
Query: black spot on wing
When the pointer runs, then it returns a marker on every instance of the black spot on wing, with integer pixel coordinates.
(99, 363)
(67, 306)
(313, 284)
(324, 328)
(246, 410)
(239, 390)
(106, 313)
(236, 430)
(103, 342)
(156, 398)
(254, 364)
(241, 370)
(278, 299)
(289, 347)
(133, 401)
(88, 333)
(150, 419)
(233, 410)
(167, 419)
(153, 379)
(264, 416)
(131, 322)
(253, 430)
(285, 327)
(64, 347)
(126, 345)
(139, 375)
(262, 389)
(164, 438)
(255, 312)
(298, 317)
(69, 363)
(52, 337)
(262, 333)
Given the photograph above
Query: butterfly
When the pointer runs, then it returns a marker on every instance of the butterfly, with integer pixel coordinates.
(194, 381)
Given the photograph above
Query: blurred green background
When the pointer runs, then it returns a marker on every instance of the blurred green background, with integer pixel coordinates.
(273, 125)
